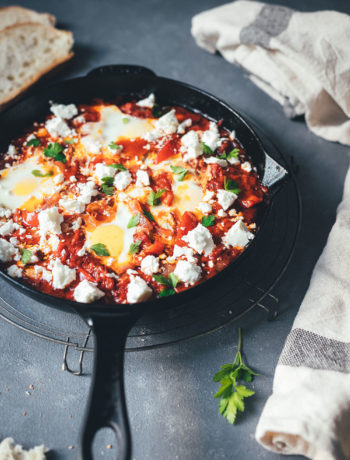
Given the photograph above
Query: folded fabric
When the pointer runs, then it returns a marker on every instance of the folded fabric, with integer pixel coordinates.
(300, 59)
(309, 410)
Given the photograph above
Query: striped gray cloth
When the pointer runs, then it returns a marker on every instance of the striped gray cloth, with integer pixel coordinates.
(300, 59)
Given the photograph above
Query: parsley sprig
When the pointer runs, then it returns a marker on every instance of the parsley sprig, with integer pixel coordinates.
(134, 221)
(231, 186)
(33, 142)
(180, 172)
(114, 146)
(154, 198)
(135, 247)
(100, 249)
(231, 395)
(233, 154)
(208, 221)
(55, 151)
(170, 283)
(107, 185)
(119, 166)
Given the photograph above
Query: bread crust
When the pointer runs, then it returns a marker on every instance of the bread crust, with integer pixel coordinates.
(51, 18)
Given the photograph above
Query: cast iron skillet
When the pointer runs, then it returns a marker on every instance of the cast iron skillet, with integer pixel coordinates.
(111, 323)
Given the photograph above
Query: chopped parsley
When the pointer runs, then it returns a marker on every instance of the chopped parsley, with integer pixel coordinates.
(135, 220)
(69, 141)
(114, 146)
(206, 149)
(134, 247)
(231, 186)
(55, 151)
(107, 185)
(125, 120)
(100, 249)
(170, 283)
(230, 394)
(33, 142)
(208, 221)
(181, 172)
(119, 166)
(233, 154)
(157, 111)
(148, 215)
(26, 256)
(154, 198)
(38, 173)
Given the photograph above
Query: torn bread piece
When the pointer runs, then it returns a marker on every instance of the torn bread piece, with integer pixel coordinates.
(10, 451)
(11, 15)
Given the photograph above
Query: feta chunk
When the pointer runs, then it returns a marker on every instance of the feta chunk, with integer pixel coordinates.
(102, 170)
(50, 221)
(182, 126)
(215, 160)
(11, 151)
(238, 235)
(122, 180)
(211, 137)
(167, 124)
(246, 166)
(6, 251)
(58, 127)
(87, 191)
(76, 224)
(184, 251)
(71, 205)
(233, 160)
(8, 227)
(221, 213)
(5, 212)
(191, 146)
(187, 272)
(87, 292)
(64, 111)
(150, 265)
(138, 290)
(15, 271)
(203, 207)
(62, 275)
(58, 179)
(208, 195)
(225, 198)
(91, 144)
(44, 274)
(142, 178)
(200, 240)
(147, 102)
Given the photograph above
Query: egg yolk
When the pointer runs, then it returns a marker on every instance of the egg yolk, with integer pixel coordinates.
(111, 236)
(187, 197)
(26, 187)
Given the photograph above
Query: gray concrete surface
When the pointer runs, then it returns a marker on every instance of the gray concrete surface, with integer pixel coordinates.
(169, 391)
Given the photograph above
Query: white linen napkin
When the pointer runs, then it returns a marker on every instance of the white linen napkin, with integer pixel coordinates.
(309, 410)
(300, 59)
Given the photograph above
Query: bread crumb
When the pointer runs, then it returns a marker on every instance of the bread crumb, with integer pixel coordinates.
(31, 387)
(24, 413)
(109, 446)
(70, 447)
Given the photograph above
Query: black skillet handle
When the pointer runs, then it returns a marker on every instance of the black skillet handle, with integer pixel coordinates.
(121, 69)
(106, 405)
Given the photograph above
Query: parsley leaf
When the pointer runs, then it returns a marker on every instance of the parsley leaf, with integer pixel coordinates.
(181, 172)
(206, 149)
(100, 249)
(33, 142)
(114, 146)
(208, 221)
(38, 173)
(125, 120)
(154, 198)
(170, 282)
(135, 220)
(148, 215)
(107, 186)
(26, 256)
(157, 111)
(230, 394)
(231, 186)
(233, 154)
(55, 151)
(166, 292)
(134, 247)
(119, 166)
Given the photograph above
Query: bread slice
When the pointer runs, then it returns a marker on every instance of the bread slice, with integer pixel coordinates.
(27, 52)
(11, 15)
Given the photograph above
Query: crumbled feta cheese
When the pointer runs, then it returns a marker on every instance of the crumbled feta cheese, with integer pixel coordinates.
(225, 198)
(205, 208)
(122, 180)
(187, 272)
(87, 292)
(200, 240)
(102, 170)
(15, 271)
(233, 160)
(76, 224)
(50, 221)
(182, 126)
(122, 196)
(191, 146)
(62, 275)
(91, 144)
(211, 137)
(87, 191)
(58, 179)
(53, 241)
(138, 290)
(221, 213)
(64, 111)
(147, 102)
(167, 124)
(8, 227)
(58, 127)
(238, 235)
(246, 166)
(14, 241)
(73, 179)
(79, 119)
(180, 251)
(215, 160)
(142, 178)
(11, 151)
(71, 205)
(6, 251)
(5, 212)
(151, 136)
(44, 274)
(208, 195)
(82, 251)
(150, 265)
